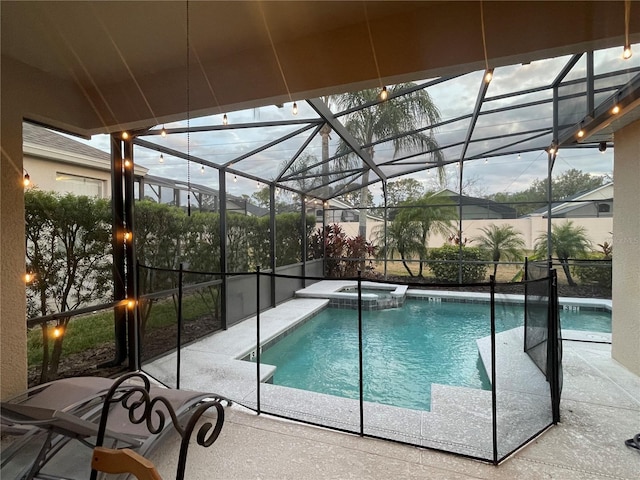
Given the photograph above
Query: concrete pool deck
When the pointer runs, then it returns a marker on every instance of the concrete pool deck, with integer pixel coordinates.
(214, 364)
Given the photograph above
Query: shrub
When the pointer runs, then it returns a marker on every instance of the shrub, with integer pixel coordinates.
(444, 263)
(594, 269)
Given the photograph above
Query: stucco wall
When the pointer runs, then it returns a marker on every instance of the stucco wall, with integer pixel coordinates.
(13, 331)
(626, 241)
(598, 230)
(43, 175)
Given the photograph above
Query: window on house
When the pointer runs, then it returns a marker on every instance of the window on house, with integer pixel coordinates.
(78, 185)
(604, 208)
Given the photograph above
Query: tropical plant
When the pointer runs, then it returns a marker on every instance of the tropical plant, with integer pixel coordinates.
(413, 223)
(567, 241)
(501, 242)
(343, 255)
(399, 119)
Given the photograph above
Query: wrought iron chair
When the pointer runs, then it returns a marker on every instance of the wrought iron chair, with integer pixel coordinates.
(52, 418)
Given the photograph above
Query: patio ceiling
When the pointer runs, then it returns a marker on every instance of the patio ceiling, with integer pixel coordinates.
(139, 65)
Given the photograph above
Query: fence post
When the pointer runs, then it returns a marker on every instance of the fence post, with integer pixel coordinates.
(526, 300)
(554, 342)
(494, 407)
(179, 335)
(360, 365)
(258, 339)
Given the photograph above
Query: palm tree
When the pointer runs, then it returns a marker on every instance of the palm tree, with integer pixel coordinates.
(501, 241)
(402, 237)
(567, 241)
(414, 222)
(390, 119)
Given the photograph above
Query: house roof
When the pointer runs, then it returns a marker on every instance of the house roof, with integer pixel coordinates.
(479, 202)
(602, 193)
(35, 135)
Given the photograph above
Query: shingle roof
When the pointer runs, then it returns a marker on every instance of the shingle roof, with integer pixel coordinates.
(40, 136)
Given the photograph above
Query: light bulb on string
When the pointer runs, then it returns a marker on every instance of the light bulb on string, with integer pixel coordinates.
(127, 163)
(163, 132)
(626, 52)
(616, 109)
(125, 135)
(202, 169)
(488, 76)
(26, 180)
(235, 178)
(57, 331)
(29, 277)
(161, 158)
(519, 156)
(295, 108)
(225, 120)
(384, 94)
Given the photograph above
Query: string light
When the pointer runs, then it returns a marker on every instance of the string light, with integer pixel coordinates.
(202, 169)
(519, 156)
(29, 277)
(127, 236)
(125, 135)
(488, 76)
(616, 109)
(383, 92)
(580, 132)
(486, 160)
(131, 304)
(163, 132)
(161, 158)
(26, 179)
(225, 120)
(295, 108)
(626, 52)
(235, 178)
(57, 332)
(127, 163)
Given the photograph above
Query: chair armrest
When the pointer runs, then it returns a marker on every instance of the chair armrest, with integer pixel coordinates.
(124, 460)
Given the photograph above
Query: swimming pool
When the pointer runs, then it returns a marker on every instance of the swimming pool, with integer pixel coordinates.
(405, 350)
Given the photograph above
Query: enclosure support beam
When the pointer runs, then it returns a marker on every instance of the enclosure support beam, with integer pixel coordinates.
(272, 240)
(119, 286)
(222, 183)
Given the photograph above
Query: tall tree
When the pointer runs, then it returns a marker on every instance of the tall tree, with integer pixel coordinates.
(396, 119)
(400, 191)
(502, 242)
(563, 186)
(567, 241)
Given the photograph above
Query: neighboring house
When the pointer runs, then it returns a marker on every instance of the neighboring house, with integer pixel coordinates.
(204, 198)
(596, 203)
(478, 208)
(61, 164)
(58, 163)
(337, 211)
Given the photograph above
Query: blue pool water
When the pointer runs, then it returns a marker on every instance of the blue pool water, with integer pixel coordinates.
(405, 350)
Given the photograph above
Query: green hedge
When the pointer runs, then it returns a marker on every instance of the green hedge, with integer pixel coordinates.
(444, 264)
(597, 272)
